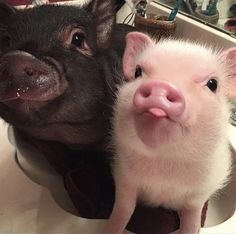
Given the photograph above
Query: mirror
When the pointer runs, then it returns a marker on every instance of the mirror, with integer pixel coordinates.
(220, 14)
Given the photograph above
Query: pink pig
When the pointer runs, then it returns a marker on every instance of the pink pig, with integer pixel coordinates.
(170, 129)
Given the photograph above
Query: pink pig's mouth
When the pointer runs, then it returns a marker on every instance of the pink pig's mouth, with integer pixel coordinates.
(157, 112)
(154, 117)
(154, 127)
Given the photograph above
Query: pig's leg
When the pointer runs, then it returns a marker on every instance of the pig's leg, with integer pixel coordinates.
(190, 220)
(125, 202)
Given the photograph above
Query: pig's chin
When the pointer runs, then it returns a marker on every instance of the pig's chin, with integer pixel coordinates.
(154, 131)
(24, 106)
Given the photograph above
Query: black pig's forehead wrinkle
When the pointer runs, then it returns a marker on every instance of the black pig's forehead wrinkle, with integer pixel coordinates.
(44, 21)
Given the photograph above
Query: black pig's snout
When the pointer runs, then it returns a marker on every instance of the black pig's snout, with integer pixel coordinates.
(22, 76)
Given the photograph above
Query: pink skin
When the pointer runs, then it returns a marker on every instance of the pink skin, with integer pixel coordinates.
(161, 99)
(168, 152)
(153, 101)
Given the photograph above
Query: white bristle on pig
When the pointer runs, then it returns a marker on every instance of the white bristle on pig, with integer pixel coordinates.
(170, 129)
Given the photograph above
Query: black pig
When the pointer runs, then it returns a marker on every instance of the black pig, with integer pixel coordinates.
(57, 66)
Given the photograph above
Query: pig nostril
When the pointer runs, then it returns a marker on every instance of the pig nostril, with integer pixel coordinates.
(173, 98)
(29, 71)
(170, 99)
(145, 93)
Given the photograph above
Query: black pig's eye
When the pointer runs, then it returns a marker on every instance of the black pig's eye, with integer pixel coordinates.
(78, 39)
(212, 85)
(138, 72)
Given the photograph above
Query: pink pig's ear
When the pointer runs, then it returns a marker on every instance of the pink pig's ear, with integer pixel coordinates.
(230, 57)
(135, 43)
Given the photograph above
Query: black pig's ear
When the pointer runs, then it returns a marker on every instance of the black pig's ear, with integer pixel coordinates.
(5, 12)
(104, 14)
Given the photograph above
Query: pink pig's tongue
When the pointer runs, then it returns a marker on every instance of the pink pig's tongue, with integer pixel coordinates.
(157, 112)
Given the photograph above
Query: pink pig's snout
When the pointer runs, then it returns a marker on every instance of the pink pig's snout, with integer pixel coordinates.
(160, 98)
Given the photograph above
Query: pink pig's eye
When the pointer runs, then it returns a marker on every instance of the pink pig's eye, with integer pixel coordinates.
(212, 85)
(138, 72)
